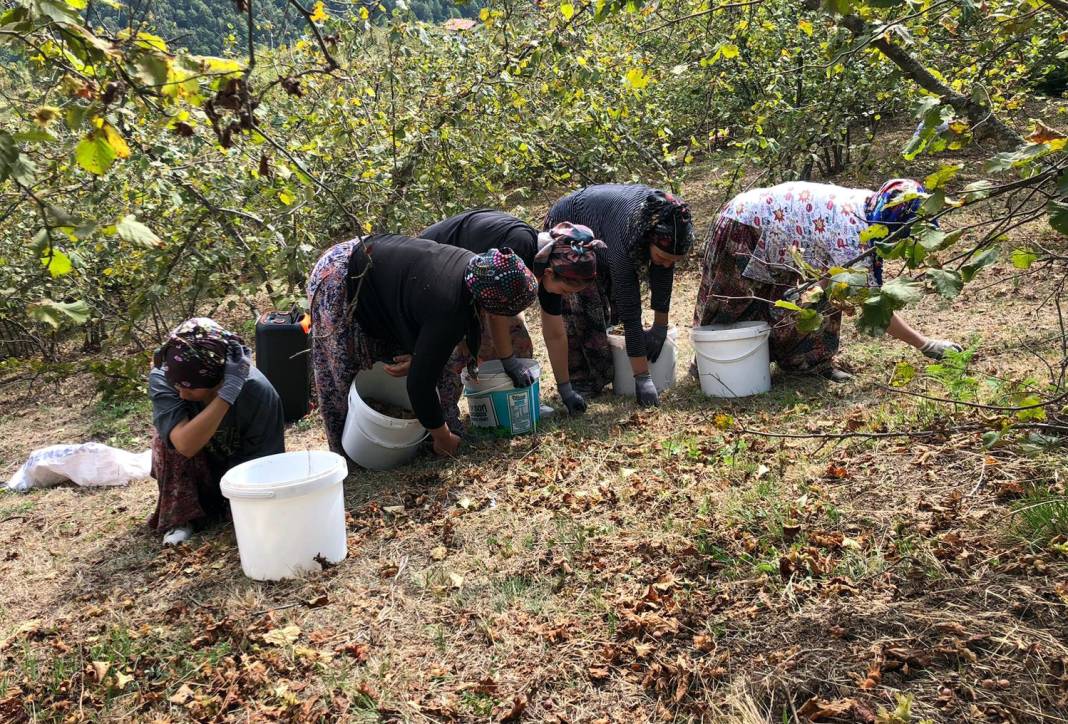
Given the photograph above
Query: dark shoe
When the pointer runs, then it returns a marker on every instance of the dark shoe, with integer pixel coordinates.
(835, 375)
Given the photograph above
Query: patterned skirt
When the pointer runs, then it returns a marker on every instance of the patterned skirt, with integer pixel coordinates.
(726, 297)
(188, 489)
(587, 317)
(341, 349)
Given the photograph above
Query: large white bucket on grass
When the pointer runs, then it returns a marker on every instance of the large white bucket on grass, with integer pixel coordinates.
(288, 510)
(373, 440)
(662, 371)
(732, 359)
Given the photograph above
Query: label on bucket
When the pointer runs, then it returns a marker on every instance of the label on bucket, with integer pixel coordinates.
(481, 410)
(519, 412)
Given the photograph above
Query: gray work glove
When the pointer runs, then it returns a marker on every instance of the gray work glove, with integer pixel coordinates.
(654, 341)
(519, 373)
(645, 390)
(936, 348)
(572, 400)
(238, 363)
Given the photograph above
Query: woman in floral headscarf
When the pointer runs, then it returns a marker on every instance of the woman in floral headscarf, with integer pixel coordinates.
(211, 411)
(564, 259)
(647, 232)
(749, 263)
(408, 302)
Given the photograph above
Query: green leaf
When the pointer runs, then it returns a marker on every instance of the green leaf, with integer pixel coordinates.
(875, 315)
(930, 238)
(904, 373)
(13, 163)
(783, 304)
(131, 230)
(1035, 413)
(947, 282)
(54, 313)
(57, 263)
(902, 291)
(977, 190)
(55, 10)
(150, 68)
(992, 438)
(95, 154)
(1023, 258)
(809, 320)
(1058, 215)
(984, 259)
(942, 176)
(875, 231)
(933, 203)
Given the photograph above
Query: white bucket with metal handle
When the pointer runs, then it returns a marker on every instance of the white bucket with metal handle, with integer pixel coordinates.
(373, 440)
(662, 371)
(289, 512)
(733, 359)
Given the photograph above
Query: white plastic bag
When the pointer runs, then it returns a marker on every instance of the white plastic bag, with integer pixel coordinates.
(88, 464)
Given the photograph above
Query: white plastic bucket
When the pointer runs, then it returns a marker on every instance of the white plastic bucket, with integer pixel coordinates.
(373, 440)
(288, 510)
(732, 359)
(662, 371)
(495, 403)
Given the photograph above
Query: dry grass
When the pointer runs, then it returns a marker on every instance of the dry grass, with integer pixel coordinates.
(625, 566)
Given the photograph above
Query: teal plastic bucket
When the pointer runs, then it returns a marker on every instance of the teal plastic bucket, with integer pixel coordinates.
(497, 406)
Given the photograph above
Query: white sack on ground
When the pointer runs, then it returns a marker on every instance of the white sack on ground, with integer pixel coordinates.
(89, 464)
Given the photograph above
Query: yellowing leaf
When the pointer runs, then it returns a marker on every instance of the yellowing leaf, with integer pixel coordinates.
(636, 79)
(282, 636)
(484, 15)
(318, 13)
(94, 154)
(286, 197)
(805, 27)
(131, 230)
(728, 50)
(364, 15)
(567, 10)
(57, 263)
(117, 142)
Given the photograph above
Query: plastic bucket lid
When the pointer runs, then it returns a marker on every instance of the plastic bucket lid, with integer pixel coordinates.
(285, 475)
(729, 332)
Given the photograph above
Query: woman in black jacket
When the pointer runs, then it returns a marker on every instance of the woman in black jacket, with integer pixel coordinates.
(409, 302)
(647, 231)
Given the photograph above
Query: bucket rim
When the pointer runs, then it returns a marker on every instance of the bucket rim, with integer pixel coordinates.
(333, 472)
(730, 332)
(618, 340)
(374, 415)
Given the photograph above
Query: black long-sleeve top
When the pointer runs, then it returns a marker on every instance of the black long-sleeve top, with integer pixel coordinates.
(480, 230)
(616, 214)
(413, 295)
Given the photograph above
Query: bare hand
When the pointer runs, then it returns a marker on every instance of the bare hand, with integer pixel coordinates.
(402, 363)
(446, 444)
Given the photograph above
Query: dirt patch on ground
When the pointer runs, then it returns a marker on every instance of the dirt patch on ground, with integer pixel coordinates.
(623, 566)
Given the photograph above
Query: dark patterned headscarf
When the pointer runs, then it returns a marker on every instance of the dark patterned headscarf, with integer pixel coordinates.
(670, 223)
(194, 355)
(570, 251)
(881, 209)
(500, 282)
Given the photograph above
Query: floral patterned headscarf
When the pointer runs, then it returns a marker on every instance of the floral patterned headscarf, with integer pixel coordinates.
(672, 224)
(570, 251)
(881, 209)
(194, 355)
(500, 282)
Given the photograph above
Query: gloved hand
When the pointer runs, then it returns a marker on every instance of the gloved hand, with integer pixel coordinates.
(654, 341)
(646, 390)
(238, 363)
(572, 400)
(520, 375)
(936, 348)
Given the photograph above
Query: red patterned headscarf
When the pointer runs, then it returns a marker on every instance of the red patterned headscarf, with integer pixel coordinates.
(570, 251)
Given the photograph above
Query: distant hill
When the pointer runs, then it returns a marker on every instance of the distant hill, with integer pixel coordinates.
(206, 26)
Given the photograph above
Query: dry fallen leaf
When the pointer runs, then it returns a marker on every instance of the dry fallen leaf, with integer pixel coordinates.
(1044, 134)
(121, 680)
(519, 704)
(816, 709)
(439, 553)
(456, 579)
(318, 601)
(282, 636)
(181, 696)
(100, 669)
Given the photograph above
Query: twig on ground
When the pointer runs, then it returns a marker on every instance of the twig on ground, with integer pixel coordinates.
(277, 608)
(977, 405)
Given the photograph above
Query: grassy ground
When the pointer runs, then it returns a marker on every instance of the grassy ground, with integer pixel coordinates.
(624, 566)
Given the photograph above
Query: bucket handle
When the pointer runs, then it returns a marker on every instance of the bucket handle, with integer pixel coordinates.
(251, 494)
(728, 360)
(390, 445)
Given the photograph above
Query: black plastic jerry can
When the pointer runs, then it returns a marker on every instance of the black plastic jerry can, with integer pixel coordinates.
(282, 355)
